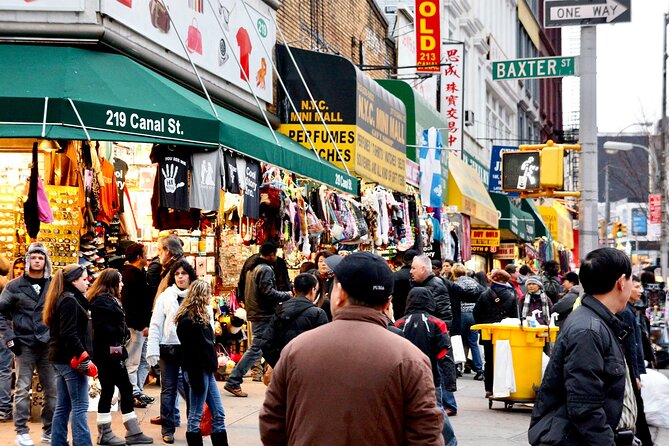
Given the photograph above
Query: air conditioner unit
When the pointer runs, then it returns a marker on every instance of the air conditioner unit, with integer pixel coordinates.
(469, 117)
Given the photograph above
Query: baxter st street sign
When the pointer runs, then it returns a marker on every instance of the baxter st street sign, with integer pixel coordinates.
(534, 68)
(558, 13)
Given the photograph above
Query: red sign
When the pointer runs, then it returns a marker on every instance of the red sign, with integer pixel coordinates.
(428, 36)
(655, 208)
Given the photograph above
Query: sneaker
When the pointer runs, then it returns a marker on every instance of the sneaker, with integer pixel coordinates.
(168, 439)
(46, 438)
(156, 420)
(236, 391)
(478, 376)
(146, 398)
(139, 403)
(24, 440)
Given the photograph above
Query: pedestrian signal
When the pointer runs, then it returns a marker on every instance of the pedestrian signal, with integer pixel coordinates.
(521, 170)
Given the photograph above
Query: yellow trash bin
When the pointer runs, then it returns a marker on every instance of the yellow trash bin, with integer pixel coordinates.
(527, 345)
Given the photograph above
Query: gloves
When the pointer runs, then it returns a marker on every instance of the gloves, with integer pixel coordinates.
(152, 360)
(14, 346)
(84, 365)
(116, 351)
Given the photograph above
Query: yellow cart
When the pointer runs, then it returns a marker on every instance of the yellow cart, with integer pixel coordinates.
(527, 344)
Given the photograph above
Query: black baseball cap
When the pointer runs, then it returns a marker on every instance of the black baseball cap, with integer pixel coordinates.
(364, 276)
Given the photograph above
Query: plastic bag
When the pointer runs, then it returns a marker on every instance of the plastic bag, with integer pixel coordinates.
(655, 394)
(458, 349)
(206, 421)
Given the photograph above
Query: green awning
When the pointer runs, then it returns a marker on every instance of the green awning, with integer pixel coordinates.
(44, 88)
(541, 230)
(514, 224)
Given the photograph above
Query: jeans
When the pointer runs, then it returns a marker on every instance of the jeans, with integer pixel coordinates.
(212, 397)
(447, 430)
(169, 384)
(253, 354)
(72, 389)
(30, 359)
(136, 363)
(448, 400)
(6, 358)
(470, 340)
(113, 374)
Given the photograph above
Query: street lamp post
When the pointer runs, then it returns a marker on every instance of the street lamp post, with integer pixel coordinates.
(659, 185)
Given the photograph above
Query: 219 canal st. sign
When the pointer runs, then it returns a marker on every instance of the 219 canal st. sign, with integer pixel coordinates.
(558, 13)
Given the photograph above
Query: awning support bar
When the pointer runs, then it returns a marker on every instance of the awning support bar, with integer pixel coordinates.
(283, 86)
(197, 73)
(241, 70)
(76, 112)
(46, 106)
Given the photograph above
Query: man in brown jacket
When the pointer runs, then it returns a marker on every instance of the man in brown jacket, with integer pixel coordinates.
(353, 381)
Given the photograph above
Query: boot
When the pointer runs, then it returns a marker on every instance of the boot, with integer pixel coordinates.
(219, 438)
(107, 437)
(194, 438)
(134, 434)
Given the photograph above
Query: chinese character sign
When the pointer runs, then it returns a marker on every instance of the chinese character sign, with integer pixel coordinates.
(428, 40)
(452, 94)
(655, 208)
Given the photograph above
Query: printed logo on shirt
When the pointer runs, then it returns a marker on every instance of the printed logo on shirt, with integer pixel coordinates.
(37, 288)
(170, 172)
(207, 178)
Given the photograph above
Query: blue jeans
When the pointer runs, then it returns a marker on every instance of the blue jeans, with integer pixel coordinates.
(447, 430)
(212, 397)
(32, 358)
(251, 356)
(72, 391)
(470, 340)
(136, 363)
(6, 358)
(169, 386)
(448, 400)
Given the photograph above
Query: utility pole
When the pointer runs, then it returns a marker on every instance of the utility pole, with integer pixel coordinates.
(664, 257)
(607, 206)
(588, 224)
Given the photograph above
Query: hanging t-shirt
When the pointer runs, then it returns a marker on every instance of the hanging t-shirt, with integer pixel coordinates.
(252, 190)
(173, 166)
(245, 48)
(231, 175)
(205, 181)
(109, 203)
(120, 170)
(241, 169)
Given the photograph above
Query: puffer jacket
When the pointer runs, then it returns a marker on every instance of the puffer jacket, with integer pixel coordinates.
(581, 396)
(471, 290)
(490, 310)
(262, 295)
(20, 304)
(109, 327)
(441, 298)
(163, 330)
(292, 317)
(564, 307)
(429, 334)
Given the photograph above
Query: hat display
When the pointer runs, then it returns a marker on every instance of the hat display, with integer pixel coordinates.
(535, 280)
(363, 275)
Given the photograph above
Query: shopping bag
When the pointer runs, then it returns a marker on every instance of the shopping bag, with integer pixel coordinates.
(194, 41)
(205, 421)
(458, 349)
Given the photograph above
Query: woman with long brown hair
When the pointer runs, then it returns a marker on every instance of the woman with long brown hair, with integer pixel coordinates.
(110, 334)
(194, 328)
(66, 315)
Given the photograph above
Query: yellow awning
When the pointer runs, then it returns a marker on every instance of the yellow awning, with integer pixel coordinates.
(467, 192)
(559, 224)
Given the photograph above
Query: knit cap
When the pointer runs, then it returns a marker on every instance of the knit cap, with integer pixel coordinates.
(39, 248)
(535, 280)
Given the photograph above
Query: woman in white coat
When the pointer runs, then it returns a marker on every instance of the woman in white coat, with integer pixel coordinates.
(163, 344)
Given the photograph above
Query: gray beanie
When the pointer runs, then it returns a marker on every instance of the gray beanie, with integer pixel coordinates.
(37, 247)
(535, 280)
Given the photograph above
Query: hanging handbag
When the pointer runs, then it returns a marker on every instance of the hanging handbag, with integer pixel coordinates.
(160, 18)
(194, 40)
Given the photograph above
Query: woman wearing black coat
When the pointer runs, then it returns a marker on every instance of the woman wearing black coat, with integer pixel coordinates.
(110, 334)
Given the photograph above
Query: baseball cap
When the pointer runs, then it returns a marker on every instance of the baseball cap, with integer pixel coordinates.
(363, 275)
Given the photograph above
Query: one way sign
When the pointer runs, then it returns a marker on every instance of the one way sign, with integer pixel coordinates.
(558, 13)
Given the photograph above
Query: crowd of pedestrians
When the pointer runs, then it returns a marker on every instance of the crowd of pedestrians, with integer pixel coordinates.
(351, 307)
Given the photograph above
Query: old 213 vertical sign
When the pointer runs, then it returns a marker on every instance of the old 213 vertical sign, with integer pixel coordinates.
(428, 36)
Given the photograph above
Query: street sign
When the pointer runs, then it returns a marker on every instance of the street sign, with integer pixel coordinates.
(558, 13)
(639, 222)
(539, 67)
(520, 170)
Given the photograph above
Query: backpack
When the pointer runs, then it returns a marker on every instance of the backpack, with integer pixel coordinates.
(277, 329)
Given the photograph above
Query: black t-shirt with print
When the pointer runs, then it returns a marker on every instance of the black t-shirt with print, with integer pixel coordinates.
(173, 167)
(252, 190)
(231, 174)
(37, 283)
(120, 170)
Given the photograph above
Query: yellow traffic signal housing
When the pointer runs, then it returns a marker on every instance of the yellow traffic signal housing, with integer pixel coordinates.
(616, 229)
(602, 229)
(552, 167)
(623, 230)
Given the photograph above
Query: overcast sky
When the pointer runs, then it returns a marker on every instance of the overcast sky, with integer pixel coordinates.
(629, 68)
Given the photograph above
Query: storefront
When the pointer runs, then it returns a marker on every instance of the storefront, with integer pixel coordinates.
(516, 227)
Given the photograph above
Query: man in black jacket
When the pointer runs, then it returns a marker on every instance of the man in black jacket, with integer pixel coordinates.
(22, 302)
(587, 396)
(402, 283)
(137, 303)
(422, 276)
(262, 297)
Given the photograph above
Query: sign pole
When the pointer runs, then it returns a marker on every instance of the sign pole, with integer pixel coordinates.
(588, 224)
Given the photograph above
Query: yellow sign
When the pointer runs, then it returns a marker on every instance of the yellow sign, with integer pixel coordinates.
(558, 223)
(467, 192)
(485, 237)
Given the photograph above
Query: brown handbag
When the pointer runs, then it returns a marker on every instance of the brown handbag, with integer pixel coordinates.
(160, 16)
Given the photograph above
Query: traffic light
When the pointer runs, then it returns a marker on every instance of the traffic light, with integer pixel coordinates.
(552, 167)
(616, 228)
(602, 229)
(521, 170)
(623, 230)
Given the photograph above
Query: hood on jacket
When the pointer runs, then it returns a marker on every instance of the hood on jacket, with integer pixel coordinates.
(468, 284)
(37, 247)
(257, 261)
(11, 275)
(292, 307)
(420, 300)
